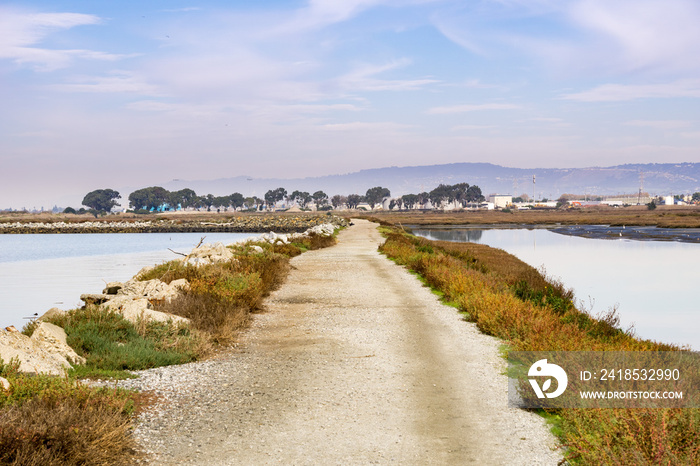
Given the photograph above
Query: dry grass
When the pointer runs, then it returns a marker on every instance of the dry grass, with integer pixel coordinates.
(512, 301)
(663, 216)
(50, 421)
(65, 432)
(222, 296)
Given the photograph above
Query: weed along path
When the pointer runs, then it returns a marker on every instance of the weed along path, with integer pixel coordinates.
(354, 362)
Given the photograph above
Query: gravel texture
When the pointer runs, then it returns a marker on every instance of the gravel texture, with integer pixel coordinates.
(353, 362)
(282, 223)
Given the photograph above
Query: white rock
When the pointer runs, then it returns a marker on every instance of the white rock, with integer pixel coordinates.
(154, 290)
(136, 309)
(180, 284)
(52, 339)
(32, 357)
(53, 312)
(209, 254)
(4, 383)
(143, 272)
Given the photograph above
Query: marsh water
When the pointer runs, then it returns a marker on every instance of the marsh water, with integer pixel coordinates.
(38, 272)
(653, 284)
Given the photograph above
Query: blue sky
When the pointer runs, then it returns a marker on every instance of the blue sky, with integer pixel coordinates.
(111, 94)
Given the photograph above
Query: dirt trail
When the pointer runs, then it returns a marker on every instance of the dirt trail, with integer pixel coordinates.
(354, 362)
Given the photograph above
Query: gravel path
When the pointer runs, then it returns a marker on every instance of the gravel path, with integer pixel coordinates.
(354, 362)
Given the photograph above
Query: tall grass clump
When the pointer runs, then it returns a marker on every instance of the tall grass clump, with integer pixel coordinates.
(48, 420)
(221, 296)
(509, 299)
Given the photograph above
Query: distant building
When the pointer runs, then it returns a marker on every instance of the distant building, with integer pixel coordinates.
(627, 199)
(501, 201)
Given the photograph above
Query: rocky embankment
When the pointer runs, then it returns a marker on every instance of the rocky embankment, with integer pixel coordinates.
(46, 351)
(242, 224)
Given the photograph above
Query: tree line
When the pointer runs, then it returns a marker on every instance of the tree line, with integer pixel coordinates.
(156, 198)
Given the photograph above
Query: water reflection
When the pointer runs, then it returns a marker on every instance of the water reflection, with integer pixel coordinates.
(652, 283)
(459, 235)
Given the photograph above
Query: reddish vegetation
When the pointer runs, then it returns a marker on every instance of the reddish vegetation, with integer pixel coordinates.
(511, 300)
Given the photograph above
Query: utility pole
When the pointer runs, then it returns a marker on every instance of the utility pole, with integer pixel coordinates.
(533, 188)
(641, 187)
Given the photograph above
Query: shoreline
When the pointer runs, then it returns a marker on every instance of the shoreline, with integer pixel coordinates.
(247, 224)
(593, 231)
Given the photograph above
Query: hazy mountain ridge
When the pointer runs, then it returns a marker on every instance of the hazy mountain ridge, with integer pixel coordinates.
(659, 179)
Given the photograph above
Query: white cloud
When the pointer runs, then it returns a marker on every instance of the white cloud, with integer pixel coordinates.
(363, 78)
(644, 35)
(321, 13)
(120, 81)
(595, 37)
(22, 31)
(470, 108)
(623, 92)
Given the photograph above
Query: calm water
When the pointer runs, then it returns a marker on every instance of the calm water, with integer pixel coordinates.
(38, 272)
(652, 283)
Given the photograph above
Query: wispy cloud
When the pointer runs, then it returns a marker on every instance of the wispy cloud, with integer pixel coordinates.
(321, 13)
(364, 78)
(23, 31)
(623, 92)
(470, 108)
(596, 37)
(117, 82)
(643, 35)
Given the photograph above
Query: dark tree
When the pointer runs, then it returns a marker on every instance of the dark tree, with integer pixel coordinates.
(376, 195)
(221, 201)
(422, 198)
(320, 199)
(302, 198)
(474, 194)
(440, 195)
(460, 193)
(354, 200)
(149, 198)
(102, 200)
(184, 198)
(409, 201)
(338, 201)
(273, 196)
(237, 200)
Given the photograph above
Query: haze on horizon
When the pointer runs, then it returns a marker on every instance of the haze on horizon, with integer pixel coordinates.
(111, 94)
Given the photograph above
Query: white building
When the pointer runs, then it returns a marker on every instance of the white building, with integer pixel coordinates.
(501, 201)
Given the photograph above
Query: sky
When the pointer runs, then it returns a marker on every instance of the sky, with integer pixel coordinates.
(131, 93)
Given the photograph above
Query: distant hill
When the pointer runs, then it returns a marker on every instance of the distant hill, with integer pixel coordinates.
(659, 179)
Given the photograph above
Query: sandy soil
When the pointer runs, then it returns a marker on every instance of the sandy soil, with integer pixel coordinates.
(354, 362)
